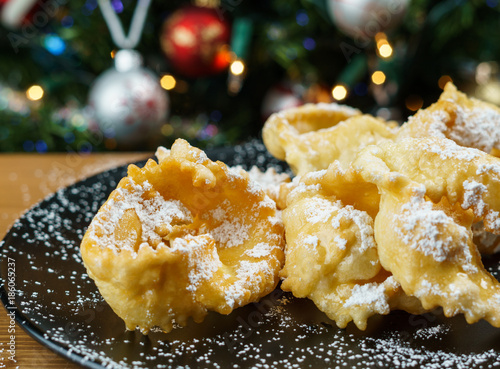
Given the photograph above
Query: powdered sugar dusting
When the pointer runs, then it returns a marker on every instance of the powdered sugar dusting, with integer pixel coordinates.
(232, 232)
(202, 264)
(420, 226)
(248, 274)
(473, 196)
(362, 221)
(151, 212)
(311, 241)
(260, 250)
(478, 127)
(340, 242)
(493, 168)
(371, 294)
(319, 210)
(447, 149)
(492, 220)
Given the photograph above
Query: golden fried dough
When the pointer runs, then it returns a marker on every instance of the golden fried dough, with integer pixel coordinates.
(467, 121)
(432, 190)
(464, 175)
(303, 119)
(311, 137)
(181, 237)
(331, 255)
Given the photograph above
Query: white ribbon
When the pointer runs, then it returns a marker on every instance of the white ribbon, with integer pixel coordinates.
(116, 28)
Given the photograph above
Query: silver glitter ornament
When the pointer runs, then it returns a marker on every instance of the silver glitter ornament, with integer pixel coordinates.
(363, 19)
(128, 102)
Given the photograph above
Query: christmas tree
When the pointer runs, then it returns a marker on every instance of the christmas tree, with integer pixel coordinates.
(224, 66)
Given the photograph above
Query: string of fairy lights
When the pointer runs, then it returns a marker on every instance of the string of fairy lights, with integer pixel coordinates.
(237, 68)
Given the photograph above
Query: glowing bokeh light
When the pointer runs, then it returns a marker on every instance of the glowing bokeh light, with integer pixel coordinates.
(35, 93)
(339, 92)
(378, 77)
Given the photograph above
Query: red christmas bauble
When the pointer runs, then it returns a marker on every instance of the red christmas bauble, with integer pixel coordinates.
(14, 13)
(195, 40)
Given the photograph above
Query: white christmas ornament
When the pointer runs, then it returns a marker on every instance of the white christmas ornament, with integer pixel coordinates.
(128, 102)
(365, 18)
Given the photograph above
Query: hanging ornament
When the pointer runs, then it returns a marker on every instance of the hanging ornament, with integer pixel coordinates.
(127, 101)
(282, 96)
(365, 18)
(14, 13)
(195, 41)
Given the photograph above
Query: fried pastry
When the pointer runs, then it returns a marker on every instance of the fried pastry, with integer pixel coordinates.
(331, 254)
(467, 121)
(432, 190)
(311, 137)
(182, 237)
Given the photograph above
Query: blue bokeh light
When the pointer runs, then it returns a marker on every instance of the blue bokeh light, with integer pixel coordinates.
(41, 146)
(302, 18)
(86, 148)
(67, 21)
(91, 5)
(117, 6)
(54, 44)
(309, 43)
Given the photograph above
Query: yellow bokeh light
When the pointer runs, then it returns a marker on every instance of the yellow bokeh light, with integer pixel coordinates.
(378, 77)
(339, 92)
(443, 80)
(167, 130)
(414, 102)
(385, 50)
(237, 67)
(168, 82)
(380, 36)
(35, 93)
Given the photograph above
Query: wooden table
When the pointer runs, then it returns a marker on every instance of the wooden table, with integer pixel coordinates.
(25, 179)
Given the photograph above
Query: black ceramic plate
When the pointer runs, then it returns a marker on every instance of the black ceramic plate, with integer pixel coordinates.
(55, 301)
